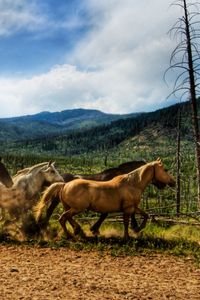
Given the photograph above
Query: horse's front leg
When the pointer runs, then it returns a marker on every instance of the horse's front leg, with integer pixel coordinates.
(145, 218)
(95, 228)
(134, 223)
(126, 219)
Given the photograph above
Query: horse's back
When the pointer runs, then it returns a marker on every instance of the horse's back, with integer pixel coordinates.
(89, 183)
(94, 195)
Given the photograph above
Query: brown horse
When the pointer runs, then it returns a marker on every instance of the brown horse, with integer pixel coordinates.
(121, 194)
(5, 177)
(105, 175)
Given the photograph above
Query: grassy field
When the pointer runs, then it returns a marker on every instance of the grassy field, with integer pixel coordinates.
(160, 236)
(157, 237)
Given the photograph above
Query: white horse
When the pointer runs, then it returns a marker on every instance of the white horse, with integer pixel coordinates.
(33, 180)
(9, 197)
(29, 183)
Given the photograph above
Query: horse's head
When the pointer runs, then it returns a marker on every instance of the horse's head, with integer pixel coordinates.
(51, 174)
(161, 176)
(5, 177)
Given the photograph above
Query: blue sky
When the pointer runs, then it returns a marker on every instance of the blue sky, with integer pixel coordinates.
(41, 35)
(101, 54)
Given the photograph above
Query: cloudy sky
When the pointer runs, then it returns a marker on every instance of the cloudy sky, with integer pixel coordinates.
(101, 54)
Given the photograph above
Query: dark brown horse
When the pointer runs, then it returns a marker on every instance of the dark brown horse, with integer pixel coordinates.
(105, 175)
(108, 173)
(5, 177)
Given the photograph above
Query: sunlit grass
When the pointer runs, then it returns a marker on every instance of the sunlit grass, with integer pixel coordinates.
(182, 240)
(188, 233)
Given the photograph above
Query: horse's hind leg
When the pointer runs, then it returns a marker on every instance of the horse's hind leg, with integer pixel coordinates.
(95, 228)
(67, 216)
(76, 227)
(63, 219)
(51, 208)
(43, 221)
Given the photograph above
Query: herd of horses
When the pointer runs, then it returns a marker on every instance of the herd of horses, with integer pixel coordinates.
(41, 188)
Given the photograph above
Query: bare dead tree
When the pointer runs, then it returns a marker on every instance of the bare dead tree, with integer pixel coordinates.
(186, 60)
(178, 164)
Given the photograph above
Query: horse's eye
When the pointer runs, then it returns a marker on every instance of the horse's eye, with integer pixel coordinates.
(166, 170)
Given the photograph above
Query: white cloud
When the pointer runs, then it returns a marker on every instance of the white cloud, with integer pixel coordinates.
(17, 15)
(32, 17)
(118, 67)
(130, 51)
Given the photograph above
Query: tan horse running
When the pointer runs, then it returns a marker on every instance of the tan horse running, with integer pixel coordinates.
(121, 194)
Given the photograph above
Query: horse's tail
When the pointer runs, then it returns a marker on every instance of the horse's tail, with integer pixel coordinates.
(49, 195)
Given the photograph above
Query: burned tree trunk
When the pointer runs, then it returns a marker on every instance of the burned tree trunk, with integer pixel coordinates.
(193, 97)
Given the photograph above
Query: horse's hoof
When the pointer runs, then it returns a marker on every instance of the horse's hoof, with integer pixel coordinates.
(71, 238)
(126, 239)
(137, 229)
(94, 231)
(77, 231)
(82, 234)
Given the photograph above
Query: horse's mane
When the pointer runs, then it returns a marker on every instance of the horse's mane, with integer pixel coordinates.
(137, 173)
(35, 167)
(131, 163)
(30, 169)
(21, 172)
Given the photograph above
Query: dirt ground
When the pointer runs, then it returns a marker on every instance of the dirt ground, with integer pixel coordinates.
(43, 273)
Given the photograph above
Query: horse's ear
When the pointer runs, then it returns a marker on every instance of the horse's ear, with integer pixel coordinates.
(50, 162)
(159, 159)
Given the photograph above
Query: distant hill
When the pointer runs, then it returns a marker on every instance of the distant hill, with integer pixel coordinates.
(47, 123)
(161, 123)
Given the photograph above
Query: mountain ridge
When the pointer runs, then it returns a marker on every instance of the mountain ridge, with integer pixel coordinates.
(47, 123)
(108, 136)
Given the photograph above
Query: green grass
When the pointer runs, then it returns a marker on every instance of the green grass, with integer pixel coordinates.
(180, 240)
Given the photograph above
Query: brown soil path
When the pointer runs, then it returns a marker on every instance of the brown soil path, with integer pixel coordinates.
(47, 274)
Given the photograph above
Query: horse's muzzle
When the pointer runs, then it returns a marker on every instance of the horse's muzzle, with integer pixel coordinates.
(172, 183)
(160, 185)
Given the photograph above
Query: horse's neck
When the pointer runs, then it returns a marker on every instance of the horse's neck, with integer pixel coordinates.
(37, 180)
(31, 183)
(142, 176)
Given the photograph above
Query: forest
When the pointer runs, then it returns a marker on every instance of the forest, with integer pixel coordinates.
(144, 137)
